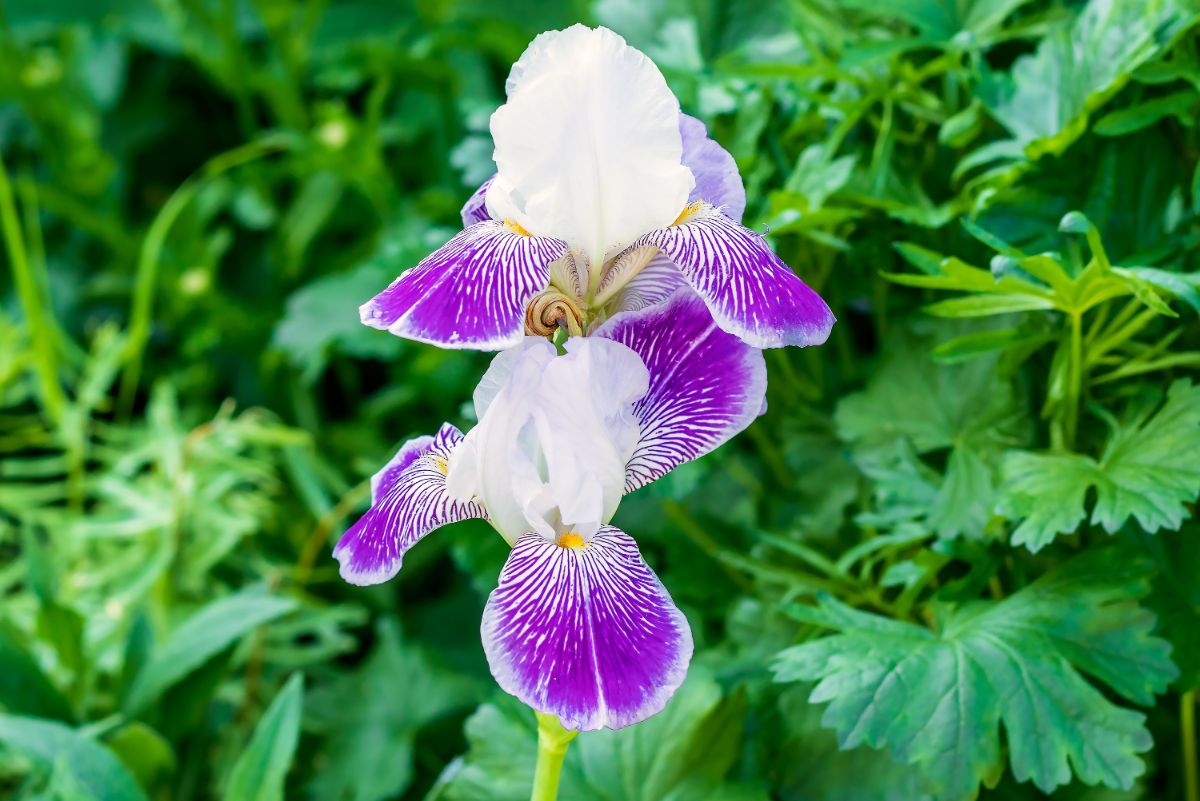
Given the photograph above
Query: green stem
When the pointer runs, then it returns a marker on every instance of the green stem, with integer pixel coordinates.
(553, 740)
(150, 256)
(1075, 386)
(41, 334)
(1187, 725)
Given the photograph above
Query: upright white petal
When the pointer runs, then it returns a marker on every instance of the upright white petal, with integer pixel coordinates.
(588, 147)
(554, 436)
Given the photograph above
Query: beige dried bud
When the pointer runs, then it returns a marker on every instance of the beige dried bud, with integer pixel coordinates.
(550, 309)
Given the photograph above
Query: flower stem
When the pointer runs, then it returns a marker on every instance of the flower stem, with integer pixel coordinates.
(30, 291)
(553, 740)
(1187, 725)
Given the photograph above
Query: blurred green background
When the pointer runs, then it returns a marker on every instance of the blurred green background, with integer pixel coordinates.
(198, 194)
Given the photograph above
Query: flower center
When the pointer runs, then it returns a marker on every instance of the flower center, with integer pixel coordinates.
(571, 540)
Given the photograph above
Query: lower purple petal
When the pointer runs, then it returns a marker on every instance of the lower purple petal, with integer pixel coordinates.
(470, 293)
(587, 633)
(717, 178)
(706, 385)
(409, 500)
(750, 292)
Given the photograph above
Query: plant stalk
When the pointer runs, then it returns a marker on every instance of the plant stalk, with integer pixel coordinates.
(29, 289)
(553, 740)
(1075, 379)
(150, 256)
(1187, 727)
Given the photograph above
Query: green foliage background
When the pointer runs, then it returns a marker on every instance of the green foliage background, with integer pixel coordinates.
(955, 558)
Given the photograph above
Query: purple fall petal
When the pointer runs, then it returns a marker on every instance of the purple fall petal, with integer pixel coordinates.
(718, 181)
(705, 385)
(409, 500)
(470, 293)
(475, 209)
(409, 452)
(586, 633)
(748, 290)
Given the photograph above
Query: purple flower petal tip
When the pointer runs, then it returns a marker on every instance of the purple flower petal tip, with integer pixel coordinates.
(470, 293)
(586, 632)
(750, 292)
(409, 500)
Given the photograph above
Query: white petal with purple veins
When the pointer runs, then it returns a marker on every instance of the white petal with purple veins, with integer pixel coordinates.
(470, 293)
(588, 148)
(586, 631)
(656, 282)
(750, 292)
(718, 181)
(705, 385)
(409, 501)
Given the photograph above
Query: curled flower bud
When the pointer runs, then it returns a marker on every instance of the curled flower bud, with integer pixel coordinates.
(548, 311)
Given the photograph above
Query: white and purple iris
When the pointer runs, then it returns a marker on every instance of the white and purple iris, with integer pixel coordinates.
(606, 194)
(579, 626)
(614, 216)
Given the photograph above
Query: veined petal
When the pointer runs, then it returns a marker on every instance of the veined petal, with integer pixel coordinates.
(718, 181)
(585, 631)
(705, 385)
(588, 148)
(750, 292)
(470, 293)
(475, 209)
(656, 282)
(409, 500)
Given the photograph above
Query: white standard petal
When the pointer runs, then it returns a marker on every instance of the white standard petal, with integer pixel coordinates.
(588, 147)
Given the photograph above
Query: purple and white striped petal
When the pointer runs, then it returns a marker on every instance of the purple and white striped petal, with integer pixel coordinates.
(750, 292)
(475, 209)
(470, 293)
(718, 181)
(585, 631)
(705, 385)
(656, 282)
(409, 500)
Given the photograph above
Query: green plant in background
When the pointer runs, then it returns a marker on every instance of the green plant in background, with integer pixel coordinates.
(942, 536)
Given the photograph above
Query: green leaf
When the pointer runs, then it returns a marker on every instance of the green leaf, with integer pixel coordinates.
(813, 767)
(946, 20)
(988, 305)
(683, 753)
(938, 698)
(53, 746)
(963, 409)
(205, 634)
(24, 688)
(1142, 115)
(1046, 100)
(370, 726)
(1147, 471)
(259, 773)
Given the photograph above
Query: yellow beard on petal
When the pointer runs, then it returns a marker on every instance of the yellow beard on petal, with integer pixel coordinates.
(571, 540)
(516, 227)
(689, 211)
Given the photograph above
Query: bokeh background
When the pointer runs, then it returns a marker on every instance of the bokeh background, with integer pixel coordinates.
(198, 194)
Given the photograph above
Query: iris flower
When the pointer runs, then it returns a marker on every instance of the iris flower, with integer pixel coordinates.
(579, 626)
(606, 198)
